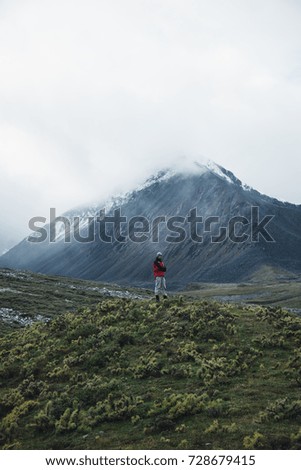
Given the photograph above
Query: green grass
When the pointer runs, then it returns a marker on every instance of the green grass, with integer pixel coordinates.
(47, 296)
(131, 374)
(280, 293)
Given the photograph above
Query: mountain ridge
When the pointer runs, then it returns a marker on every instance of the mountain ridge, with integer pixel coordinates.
(213, 192)
(167, 172)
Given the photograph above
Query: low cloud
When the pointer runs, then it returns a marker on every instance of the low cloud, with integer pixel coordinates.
(96, 95)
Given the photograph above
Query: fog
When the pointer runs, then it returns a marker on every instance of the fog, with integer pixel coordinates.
(96, 95)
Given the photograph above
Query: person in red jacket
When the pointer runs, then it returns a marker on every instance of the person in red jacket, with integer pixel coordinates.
(159, 274)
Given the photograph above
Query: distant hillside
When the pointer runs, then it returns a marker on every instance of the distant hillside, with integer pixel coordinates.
(229, 251)
(268, 287)
(131, 374)
(27, 297)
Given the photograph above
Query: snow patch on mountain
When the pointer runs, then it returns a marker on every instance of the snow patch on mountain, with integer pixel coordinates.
(247, 188)
(218, 170)
(183, 167)
(162, 175)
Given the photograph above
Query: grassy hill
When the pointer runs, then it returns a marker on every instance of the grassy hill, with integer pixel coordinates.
(26, 297)
(131, 374)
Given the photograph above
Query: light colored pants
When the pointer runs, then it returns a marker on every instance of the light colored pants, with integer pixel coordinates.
(160, 285)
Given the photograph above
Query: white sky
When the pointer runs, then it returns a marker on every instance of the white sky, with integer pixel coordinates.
(97, 94)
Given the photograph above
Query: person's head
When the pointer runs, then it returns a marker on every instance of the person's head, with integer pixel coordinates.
(159, 256)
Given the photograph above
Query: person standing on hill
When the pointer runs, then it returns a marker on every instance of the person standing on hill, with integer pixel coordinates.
(159, 274)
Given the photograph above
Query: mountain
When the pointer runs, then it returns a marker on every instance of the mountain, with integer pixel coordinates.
(242, 231)
(9, 238)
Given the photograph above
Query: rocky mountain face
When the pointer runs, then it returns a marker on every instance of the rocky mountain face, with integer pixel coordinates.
(208, 225)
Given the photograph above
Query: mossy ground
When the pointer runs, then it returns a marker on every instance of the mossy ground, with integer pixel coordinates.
(46, 296)
(131, 374)
(276, 293)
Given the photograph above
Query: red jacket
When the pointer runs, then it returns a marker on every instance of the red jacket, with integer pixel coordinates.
(159, 268)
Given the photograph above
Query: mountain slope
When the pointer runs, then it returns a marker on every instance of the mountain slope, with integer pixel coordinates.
(213, 192)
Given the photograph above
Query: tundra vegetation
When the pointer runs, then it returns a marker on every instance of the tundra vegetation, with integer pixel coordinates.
(133, 374)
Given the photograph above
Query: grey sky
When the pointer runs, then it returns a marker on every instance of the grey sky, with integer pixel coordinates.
(97, 94)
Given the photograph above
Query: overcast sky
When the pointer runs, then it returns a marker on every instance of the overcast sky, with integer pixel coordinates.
(97, 94)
